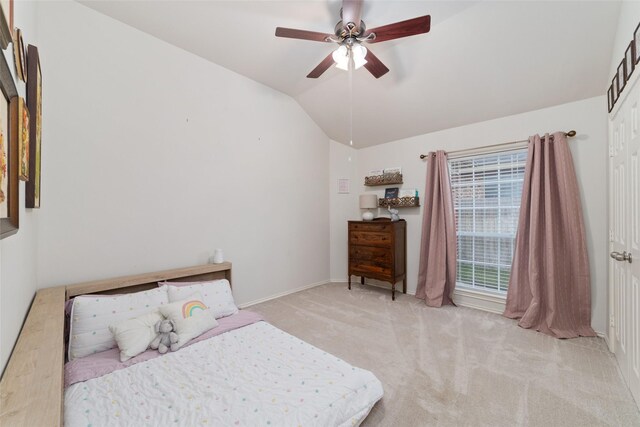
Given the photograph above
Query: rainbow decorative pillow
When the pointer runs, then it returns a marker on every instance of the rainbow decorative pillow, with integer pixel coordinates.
(216, 295)
(191, 316)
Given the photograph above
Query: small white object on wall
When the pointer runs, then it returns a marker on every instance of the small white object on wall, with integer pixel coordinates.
(343, 185)
(218, 257)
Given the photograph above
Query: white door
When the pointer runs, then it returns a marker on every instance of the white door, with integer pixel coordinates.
(624, 232)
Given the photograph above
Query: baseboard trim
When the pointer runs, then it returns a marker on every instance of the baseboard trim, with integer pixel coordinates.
(281, 294)
(479, 300)
(605, 337)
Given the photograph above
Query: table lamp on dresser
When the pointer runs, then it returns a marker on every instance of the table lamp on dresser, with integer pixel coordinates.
(368, 201)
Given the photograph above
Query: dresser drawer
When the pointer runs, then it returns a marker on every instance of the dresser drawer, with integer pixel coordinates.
(370, 253)
(370, 238)
(370, 269)
(370, 226)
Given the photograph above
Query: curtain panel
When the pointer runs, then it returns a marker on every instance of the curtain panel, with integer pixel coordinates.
(549, 288)
(437, 272)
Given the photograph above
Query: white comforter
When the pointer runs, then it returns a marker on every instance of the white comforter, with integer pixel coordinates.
(257, 375)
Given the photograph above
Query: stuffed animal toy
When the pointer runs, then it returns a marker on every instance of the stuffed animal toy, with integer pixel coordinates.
(166, 339)
(394, 214)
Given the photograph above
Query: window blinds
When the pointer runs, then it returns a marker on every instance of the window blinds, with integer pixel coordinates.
(487, 190)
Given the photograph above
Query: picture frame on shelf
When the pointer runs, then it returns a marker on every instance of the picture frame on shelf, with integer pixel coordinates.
(23, 139)
(6, 23)
(620, 74)
(34, 105)
(629, 64)
(391, 193)
(636, 45)
(9, 190)
(610, 101)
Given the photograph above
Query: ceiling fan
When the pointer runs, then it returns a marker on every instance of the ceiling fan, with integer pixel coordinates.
(350, 33)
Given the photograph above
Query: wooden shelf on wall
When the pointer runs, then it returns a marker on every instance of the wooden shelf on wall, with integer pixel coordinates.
(400, 202)
(386, 179)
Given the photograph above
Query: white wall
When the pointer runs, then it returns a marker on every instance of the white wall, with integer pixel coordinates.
(344, 207)
(18, 253)
(589, 150)
(154, 157)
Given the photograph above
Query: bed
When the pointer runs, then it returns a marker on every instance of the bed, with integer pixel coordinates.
(243, 372)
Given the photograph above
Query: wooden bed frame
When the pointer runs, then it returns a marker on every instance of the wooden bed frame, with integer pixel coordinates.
(32, 386)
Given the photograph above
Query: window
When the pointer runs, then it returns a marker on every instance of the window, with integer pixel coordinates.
(486, 195)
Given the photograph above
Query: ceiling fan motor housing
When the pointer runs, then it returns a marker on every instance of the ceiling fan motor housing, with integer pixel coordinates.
(347, 30)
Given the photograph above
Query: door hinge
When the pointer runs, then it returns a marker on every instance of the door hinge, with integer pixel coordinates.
(612, 323)
(611, 151)
(610, 235)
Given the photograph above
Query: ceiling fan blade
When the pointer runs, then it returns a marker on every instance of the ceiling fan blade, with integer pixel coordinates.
(303, 34)
(351, 12)
(322, 67)
(374, 65)
(406, 28)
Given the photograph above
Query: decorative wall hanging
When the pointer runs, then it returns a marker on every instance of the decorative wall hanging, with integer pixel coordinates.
(625, 70)
(629, 63)
(19, 55)
(34, 105)
(6, 23)
(23, 139)
(610, 99)
(636, 44)
(9, 192)
(620, 74)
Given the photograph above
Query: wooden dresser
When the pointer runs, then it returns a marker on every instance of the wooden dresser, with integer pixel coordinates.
(377, 251)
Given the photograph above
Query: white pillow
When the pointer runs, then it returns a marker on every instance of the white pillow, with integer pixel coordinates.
(133, 336)
(91, 316)
(191, 316)
(216, 295)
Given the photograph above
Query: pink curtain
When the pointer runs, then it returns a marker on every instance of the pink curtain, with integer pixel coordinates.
(437, 274)
(549, 289)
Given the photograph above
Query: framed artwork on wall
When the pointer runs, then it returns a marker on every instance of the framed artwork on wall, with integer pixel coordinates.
(636, 44)
(391, 193)
(34, 105)
(9, 193)
(620, 77)
(629, 63)
(616, 89)
(6, 23)
(23, 139)
(19, 55)
(610, 99)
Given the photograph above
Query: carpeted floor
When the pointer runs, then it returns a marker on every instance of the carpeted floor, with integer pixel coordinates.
(457, 366)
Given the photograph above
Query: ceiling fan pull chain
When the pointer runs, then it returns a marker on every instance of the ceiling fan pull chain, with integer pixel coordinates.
(350, 101)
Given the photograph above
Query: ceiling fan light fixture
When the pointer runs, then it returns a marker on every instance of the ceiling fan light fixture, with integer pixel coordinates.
(341, 57)
(359, 53)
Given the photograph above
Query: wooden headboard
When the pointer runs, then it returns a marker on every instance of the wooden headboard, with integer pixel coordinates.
(32, 386)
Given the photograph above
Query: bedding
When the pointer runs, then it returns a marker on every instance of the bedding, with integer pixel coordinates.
(91, 316)
(251, 375)
(216, 295)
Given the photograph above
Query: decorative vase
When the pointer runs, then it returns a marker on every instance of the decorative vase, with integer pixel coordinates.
(218, 257)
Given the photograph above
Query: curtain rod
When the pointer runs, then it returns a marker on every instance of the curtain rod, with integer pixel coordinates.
(570, 134)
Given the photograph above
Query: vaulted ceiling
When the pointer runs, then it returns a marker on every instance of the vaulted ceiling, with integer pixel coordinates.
(481, 60)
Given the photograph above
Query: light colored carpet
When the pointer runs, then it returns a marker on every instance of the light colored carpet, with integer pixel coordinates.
(457, 366)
